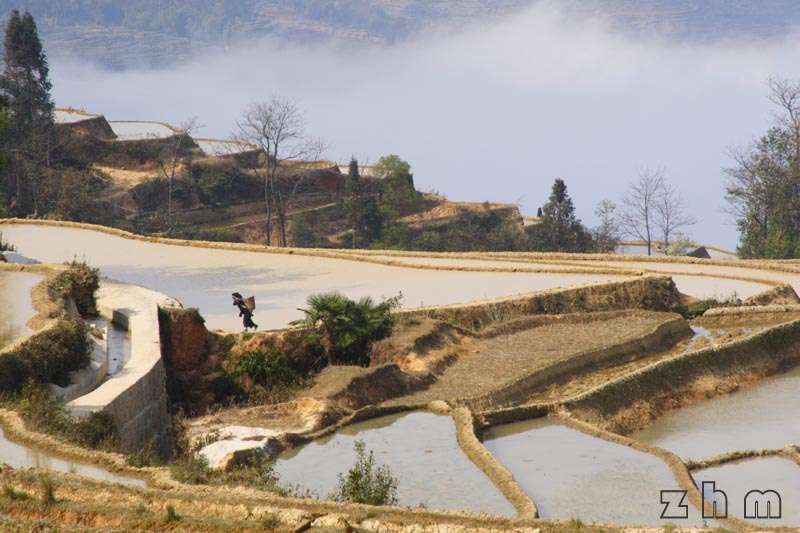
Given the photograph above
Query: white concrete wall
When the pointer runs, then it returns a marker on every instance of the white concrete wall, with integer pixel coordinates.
(136, 396)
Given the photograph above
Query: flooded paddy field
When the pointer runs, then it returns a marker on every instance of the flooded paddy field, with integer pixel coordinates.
(572, 475)
(422, 452)
(737, 479)
(19, 456)
(205, 278)
(760, 416)
(16, 308)
(694, 280)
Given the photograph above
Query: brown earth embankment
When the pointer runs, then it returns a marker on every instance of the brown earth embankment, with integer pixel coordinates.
(520, 389)
(91, 126)
(488, 463)
(633, 401)
(655, 293)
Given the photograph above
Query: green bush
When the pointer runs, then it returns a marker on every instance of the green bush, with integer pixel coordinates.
(97, 431)
(192, 469)
(79, 282)
(145, 455)
(47, 357)
(51, 355)
(5, 246)
(365, 482)
(257, 472)
(268, 368)
(43, 412)
(348, 328)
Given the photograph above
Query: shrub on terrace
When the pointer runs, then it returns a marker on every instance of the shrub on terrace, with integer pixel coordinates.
(348, 328)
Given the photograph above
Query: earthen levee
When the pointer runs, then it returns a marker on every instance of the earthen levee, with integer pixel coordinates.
(664, 383)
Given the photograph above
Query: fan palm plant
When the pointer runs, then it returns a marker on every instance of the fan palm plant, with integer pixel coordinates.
(347, 328)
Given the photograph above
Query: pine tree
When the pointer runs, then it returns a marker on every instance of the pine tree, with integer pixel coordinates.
(25, 89)
(361, 208)
(352, 172)
(560, 230)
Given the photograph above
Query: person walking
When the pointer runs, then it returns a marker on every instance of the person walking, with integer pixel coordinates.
(244, 311)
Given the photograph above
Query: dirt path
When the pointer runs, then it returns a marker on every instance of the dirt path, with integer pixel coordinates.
(504, 358)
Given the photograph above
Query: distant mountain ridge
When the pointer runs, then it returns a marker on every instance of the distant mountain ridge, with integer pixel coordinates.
(119, 34)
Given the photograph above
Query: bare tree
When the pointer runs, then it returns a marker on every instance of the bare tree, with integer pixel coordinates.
(170, 156)
(786, 95)
(671, 214)
(638, 217)
(276, 127)
(653, 208)
(606, 235)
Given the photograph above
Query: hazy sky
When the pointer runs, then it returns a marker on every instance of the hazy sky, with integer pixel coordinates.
(492, 113)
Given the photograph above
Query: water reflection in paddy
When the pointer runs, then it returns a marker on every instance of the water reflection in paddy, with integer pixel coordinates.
(421, 450)
(571, 475)
(19, 456)
(760, 416)
(15, 305)
(762, 474)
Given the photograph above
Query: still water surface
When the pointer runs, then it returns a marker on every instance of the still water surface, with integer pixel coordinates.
(761, 474)
(15, 305)
(19, 456)
(569, 474)
(422, 452)
(764, 415)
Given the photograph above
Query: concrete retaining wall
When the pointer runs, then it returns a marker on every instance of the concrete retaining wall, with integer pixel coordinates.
(136, 397)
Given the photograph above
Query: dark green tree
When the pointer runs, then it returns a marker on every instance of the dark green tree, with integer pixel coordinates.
(559, 229)
(398, 197)
(361, 208)
(25, 89)
(352, 171)
(763, 189)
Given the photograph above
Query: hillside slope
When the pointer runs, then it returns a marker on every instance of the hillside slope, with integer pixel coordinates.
(138, 32)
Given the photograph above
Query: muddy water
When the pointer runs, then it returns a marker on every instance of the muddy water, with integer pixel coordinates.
(205, 278)
(421, 450)
(761, 416)
(762, 474)
(571, 475)
(19, 456)
(15, 305)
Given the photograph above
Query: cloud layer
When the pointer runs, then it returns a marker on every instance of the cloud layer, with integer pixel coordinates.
(489, 113)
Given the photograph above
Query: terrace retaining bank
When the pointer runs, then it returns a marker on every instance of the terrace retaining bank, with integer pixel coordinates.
(519, 390)
(654, 293)
(632, 401)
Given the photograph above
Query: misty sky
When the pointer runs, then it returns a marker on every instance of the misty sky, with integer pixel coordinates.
(491, 113)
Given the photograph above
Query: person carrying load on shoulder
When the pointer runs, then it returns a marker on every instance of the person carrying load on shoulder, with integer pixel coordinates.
(246, 307)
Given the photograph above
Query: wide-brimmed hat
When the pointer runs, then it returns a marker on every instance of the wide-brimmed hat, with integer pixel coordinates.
(236, 295)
